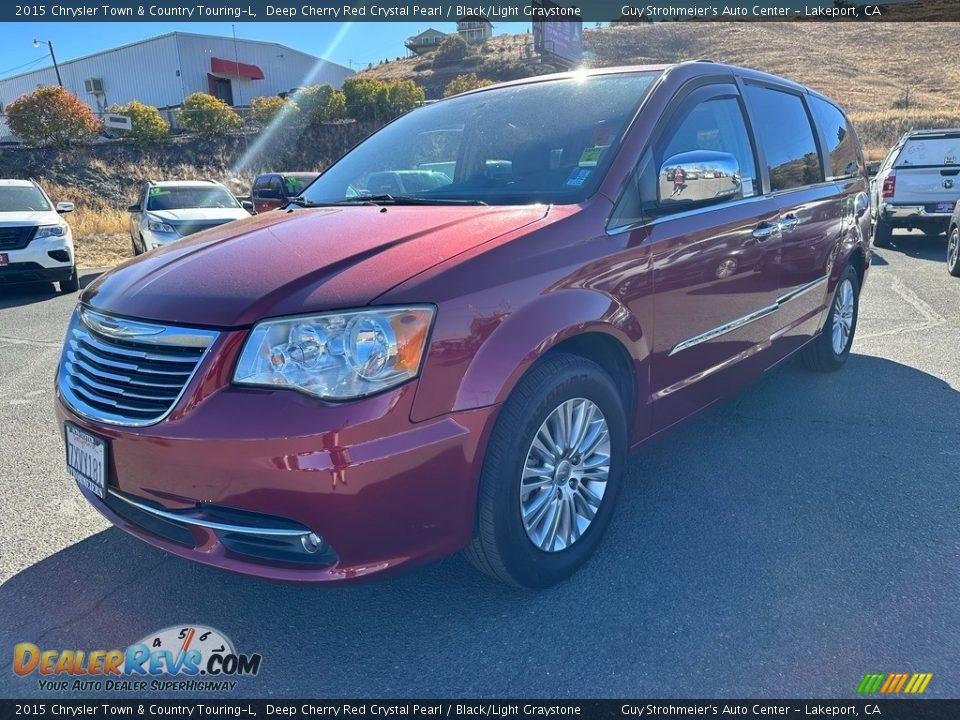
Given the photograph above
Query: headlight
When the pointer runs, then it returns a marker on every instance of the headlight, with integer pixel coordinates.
(336, 356)
(155, 225)
(50, 231)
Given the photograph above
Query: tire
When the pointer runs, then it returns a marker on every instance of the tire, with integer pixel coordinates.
(504, 546)
(953, 252)
(831, 348)
(882, 233)
(71, 284)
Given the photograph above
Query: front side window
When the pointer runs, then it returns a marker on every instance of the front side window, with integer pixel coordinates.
(783, 128)
(843, 160)
(22, 199)
(548, 141)
(180, 198)
(716, 125)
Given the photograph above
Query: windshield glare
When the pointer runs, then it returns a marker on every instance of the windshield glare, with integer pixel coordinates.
(174, 198)
(22, 199)
(545, 142)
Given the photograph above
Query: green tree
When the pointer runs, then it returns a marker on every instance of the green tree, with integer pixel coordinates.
(204, 113)
(321, 103)
(368, 99)
(452, 49)
(403, 96)
(266, 109)
(51, 116)
(148, 123)
(463, 83)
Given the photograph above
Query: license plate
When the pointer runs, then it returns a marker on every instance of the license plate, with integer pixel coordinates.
(945, 207)
(87, 460)
(4, 259)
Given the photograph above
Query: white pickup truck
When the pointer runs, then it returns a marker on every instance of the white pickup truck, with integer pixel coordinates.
(917, 185)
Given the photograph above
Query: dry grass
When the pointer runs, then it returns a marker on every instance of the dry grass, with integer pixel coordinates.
(102, 250)
(884, 127)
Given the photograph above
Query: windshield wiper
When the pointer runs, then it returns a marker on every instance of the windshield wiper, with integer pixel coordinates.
(387, 199)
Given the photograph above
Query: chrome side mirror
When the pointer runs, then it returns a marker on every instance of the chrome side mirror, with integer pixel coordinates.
(65, 207)
(698, 177)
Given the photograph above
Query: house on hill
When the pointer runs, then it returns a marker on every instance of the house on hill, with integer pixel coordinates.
(427, 41)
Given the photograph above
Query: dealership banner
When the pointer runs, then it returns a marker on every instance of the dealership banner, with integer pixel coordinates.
(425, 11)
(513, 708)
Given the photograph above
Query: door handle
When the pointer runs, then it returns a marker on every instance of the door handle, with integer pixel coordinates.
(789, 223)
(763, 231)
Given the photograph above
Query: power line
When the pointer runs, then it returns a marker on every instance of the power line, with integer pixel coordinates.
(18, 67)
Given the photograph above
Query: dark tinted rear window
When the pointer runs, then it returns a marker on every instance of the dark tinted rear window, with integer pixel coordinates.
(842, 159)
(783, 128)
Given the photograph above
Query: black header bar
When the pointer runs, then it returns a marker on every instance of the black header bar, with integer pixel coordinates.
(206, 708)
(426, 11)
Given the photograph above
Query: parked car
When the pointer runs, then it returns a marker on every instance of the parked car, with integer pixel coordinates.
(953, 242)
(36, 244)
(371, 381)
(917, 184)
(170, 210)
(274, 190)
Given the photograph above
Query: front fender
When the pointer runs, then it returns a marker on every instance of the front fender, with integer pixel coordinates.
(521, 337)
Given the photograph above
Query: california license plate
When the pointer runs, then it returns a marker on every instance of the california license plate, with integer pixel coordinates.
(945, 207)
(87, 459)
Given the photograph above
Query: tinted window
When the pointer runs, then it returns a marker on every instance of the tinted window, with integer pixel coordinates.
(843, 160)
(782, 126)
(715, 125)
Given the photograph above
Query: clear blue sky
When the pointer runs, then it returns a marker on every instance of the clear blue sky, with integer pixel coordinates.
(359, 44)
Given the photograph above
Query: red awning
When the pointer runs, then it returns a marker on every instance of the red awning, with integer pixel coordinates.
(229, 67)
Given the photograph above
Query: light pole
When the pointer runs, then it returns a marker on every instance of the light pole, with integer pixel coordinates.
(36, 44)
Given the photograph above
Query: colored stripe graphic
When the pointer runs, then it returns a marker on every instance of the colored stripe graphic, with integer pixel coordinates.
(894, 683)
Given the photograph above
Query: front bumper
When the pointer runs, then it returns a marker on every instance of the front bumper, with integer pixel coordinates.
(43, 260)
(382, 491)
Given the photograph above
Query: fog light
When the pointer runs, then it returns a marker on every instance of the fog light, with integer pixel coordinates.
(59, 255)
(312, 543)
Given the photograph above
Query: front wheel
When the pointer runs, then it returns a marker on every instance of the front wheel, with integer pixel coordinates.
(953, 252)
(551, 474)
(72, 283)
(830, 349)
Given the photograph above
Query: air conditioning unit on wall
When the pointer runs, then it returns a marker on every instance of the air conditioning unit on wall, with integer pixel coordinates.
(94, 86)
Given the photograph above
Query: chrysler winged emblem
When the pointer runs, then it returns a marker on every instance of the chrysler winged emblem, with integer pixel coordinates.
(117, 327)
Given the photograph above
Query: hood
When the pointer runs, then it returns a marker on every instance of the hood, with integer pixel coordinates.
(304, 260)
(29, 217)
(195, 214)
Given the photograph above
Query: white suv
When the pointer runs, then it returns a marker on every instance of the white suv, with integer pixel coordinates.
(173, 209)
(36, 244)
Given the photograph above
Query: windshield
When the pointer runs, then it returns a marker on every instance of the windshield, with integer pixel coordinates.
(20, 199)
(935, 151)
(180, 198)
(545, 142)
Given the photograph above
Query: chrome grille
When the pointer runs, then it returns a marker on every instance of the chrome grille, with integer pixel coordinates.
(127, 372)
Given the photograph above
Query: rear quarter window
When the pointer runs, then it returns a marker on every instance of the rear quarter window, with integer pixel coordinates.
(783, 128)
(843, 158)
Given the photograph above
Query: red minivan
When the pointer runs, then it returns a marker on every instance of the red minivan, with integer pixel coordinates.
(372, 380)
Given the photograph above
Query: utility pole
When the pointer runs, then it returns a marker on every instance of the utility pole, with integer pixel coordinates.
(56, 68)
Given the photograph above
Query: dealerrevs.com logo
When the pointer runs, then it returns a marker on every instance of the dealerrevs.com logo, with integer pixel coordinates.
(182, 657)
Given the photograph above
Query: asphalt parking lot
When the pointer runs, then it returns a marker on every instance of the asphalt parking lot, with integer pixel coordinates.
(785, 543)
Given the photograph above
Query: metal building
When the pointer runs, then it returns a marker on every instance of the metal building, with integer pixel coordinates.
(163, 70)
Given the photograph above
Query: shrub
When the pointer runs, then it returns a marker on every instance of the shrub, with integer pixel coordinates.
(452, 49)
(462, 83)
(321, 103)
(148, 123)
(378, 100)
(51, 116)
(264, 110)
(204, 113)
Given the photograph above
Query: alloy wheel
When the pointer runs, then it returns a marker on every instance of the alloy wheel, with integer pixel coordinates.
(843, 305)
(953, 248)
(565, 475)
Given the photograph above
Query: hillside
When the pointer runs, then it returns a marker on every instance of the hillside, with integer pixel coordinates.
(866, 66)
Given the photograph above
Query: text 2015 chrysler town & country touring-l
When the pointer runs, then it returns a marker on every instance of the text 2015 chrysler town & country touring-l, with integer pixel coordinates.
(375, 378)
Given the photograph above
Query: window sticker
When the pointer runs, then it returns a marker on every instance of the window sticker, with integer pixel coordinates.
(747, 185)
(591, 155)
(158, 191)
(578, 177)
